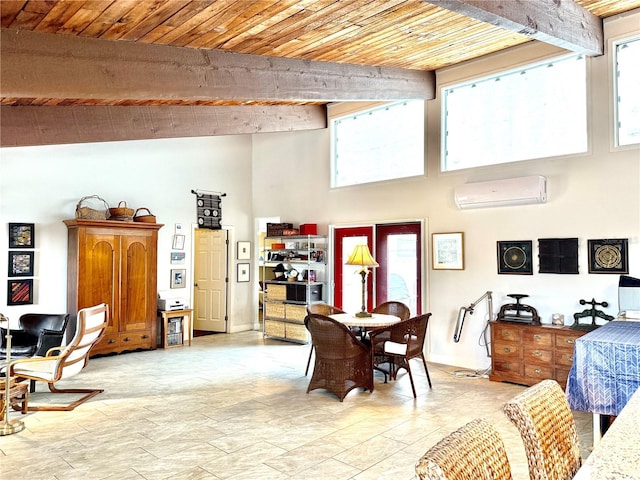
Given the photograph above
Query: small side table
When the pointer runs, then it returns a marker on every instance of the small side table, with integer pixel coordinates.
(175, 324)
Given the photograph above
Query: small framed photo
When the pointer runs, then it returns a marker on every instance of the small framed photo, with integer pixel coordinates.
(22, 235)
(20, 264)
(178, 278)
(448, 251)
(608, 255)
(515, 257)
(244, 250)
(20, 292)
(243, 272)
(178, 242)
(177, 258)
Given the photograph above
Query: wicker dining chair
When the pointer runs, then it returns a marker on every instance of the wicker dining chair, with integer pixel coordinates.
(398, 309)
(320, 309)
(342, 361)
(547, 427)
(397, 344)
(473, 452)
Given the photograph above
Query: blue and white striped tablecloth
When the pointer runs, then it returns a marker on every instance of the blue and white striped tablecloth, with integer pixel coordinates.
(606, 368)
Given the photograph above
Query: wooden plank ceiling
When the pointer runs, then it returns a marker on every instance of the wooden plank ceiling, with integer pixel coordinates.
(251, 59)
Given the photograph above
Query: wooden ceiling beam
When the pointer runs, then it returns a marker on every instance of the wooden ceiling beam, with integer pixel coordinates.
(562, 23)
(40, 65)
(56, 125)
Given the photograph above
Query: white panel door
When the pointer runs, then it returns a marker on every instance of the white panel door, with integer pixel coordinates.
(210, 280)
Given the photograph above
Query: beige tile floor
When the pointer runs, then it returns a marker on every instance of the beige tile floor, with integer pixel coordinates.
(235, 407)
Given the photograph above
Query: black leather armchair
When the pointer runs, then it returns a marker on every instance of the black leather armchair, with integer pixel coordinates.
(38, 332)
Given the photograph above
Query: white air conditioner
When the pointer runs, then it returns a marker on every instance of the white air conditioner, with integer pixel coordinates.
(500, 193)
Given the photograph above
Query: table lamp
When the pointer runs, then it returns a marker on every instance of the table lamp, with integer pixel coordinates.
(361, 257)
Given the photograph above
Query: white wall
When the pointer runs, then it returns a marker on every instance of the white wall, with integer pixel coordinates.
(286, 175)
(590, 196)
(42, 185)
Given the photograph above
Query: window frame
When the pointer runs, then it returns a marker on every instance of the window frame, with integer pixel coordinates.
(338, 112)
(504, 70)
(614, 136)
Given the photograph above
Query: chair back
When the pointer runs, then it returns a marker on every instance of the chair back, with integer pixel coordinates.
(411, 332)
(91, 323)
(473, 452)
(323, 309)
(398, 309)
(332, 338)
(547, 427)
(35, 323)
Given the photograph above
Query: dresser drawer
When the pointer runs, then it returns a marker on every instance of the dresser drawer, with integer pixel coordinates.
(506, 332)
(538, 372)
(540, 339)
(564, 358)
(566, 341)
(507, 351)
(537, 355)
(135, 340)
(508, 367)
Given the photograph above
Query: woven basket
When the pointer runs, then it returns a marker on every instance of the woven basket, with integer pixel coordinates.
(88, 213)
(149, 218)
(121, 213)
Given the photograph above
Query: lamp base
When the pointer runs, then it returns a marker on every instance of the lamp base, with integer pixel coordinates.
(7, 427)
(363, 315)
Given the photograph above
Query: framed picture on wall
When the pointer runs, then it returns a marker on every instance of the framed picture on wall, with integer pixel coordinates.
(20, 292)
(448, 251)
(608, 255)
(244, 250)
(20, 264)
(515, 257)
(178, 242)
(178, 278)
(243, 272)
(21, 235)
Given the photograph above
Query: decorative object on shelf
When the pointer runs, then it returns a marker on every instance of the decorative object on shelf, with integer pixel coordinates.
(83, 211)
(145, 218)
(448, 251)
(121, 213)
(557, 319)
(22, 235)
(20, 292)
(209, 209)
(244, 251)
(558, 255)
(243, 274)
(608, 255)
(361, 257)
(178, 242)
(592, 312)
(518, 312)
(514, 257)
(20, 264)
(277, 229)
(178, 278)
(8, 427)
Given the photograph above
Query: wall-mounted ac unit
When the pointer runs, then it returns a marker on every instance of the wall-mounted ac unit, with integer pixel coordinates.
(499, 193)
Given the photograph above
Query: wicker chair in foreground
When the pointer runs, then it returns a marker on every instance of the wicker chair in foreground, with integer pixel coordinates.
(321, 309)
(542, 415)
(342, 361)
(473, 452)
(397, 344)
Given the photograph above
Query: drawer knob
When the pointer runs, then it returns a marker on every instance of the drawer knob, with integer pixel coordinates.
(537, 371)
(145, 336)
(570, 357)
(506, 333)
(507, 350)
(537, 354)
(111, 341)
(127, 339)
(537, 337)
(571, 341)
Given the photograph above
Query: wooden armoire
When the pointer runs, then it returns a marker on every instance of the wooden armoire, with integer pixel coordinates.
(116, 263)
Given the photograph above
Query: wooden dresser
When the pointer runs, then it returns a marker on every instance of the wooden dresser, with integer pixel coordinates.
(115, 263)
(527, 354)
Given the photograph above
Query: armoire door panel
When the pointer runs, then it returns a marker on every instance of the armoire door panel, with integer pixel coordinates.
(134, 283)
(100, 272)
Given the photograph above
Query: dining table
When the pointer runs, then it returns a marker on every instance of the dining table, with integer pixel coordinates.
(617, 455)
(605, 371)
(376, 320)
